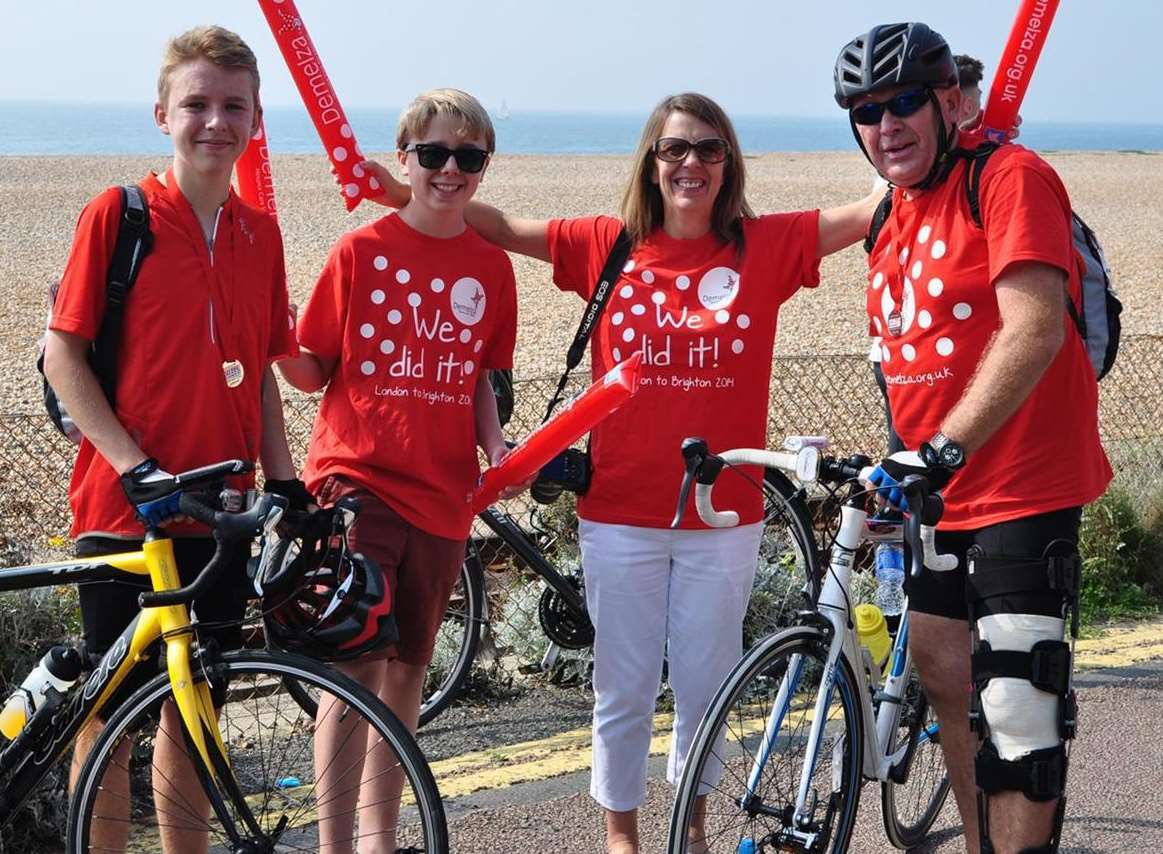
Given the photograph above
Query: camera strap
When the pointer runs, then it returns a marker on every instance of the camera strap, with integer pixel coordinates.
(594, 308)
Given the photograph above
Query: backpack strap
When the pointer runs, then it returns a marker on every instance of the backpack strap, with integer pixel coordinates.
(977, 158)
(594, 308)
(879, 217)
(134, 241)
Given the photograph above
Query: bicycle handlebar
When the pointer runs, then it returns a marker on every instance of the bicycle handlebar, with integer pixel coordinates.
(703, 468)
(228, 528)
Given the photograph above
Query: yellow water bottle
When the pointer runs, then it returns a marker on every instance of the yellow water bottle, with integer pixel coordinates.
(873, 633)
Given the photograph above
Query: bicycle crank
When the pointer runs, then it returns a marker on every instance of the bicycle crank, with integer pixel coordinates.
(560, 623)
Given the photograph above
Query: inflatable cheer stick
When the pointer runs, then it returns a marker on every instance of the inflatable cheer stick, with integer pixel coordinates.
(321, 101)
(256, 184)
(1016, 67)
(575, 418)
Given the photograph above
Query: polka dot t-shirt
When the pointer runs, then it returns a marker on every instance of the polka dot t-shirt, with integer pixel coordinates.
(704, 320)
(413, 320)
(931, 297)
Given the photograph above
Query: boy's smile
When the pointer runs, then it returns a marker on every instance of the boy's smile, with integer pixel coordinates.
(210, 112)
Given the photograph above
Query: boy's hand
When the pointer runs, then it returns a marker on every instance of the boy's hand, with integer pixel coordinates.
(396, 193)
(496, 457)
(152, 493)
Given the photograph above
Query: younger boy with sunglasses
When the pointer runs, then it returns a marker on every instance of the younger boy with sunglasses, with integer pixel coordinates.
(407, 319)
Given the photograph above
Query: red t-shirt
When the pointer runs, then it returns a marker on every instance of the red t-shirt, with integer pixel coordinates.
(704, 321)
(188, 313)
(412, 320)
(935, 268)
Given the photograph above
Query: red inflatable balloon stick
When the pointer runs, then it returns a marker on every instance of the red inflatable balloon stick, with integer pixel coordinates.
(321, 101)
(256, 184)
(1016, 67)
(574, 419)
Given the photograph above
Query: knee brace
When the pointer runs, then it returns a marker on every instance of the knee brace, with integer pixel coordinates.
(1023, 705)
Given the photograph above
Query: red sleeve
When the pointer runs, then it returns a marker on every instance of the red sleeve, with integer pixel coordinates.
(80, 301)
(499, 354)
(282, 339)
(1025, 213)
(789, 242)
(321, 326)
(578, 249)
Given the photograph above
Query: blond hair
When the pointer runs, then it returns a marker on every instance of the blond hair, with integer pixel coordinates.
(215, 44)
(449, 103)
(642, 209)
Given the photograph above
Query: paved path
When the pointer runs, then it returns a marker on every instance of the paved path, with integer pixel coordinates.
(531, 796)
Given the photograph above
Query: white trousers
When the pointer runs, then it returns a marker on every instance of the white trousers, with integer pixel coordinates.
(654, 592)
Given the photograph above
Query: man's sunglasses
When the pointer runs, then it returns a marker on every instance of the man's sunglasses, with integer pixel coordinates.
(433, 156)
(901, 105)
(672, 149)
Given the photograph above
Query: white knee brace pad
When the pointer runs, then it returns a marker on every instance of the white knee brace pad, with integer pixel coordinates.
(1021, 717)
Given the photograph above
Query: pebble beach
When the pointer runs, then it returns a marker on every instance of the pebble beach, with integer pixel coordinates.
(1118, 193)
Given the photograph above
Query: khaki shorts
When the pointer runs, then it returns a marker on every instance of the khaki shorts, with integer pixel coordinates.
(420, 569)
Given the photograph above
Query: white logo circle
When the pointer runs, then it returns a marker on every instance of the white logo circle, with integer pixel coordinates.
(467, 298)
(718, 288)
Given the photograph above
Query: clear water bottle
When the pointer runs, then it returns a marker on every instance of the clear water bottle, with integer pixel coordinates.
(60, 669)
(890, 579)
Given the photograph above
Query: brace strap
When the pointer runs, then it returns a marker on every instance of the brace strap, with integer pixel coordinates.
(1040, 775)
(1046, 666)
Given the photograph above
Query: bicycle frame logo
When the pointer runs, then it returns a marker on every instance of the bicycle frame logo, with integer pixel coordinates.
(68, 715)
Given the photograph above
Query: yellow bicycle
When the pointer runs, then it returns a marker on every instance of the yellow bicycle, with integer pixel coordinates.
(259, 786)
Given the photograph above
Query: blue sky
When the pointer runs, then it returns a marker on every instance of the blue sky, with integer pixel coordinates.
(769, 57)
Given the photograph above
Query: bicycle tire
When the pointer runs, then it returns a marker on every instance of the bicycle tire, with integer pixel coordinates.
(727, 741)
(788, 569)
(910, 808)
(280, 787)
(457, 639)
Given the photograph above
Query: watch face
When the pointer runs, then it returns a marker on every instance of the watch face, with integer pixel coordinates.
(952, 455)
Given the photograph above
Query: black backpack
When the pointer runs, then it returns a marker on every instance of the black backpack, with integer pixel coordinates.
(1097, 318)
(134, 241)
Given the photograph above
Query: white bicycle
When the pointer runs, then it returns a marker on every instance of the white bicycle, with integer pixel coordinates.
(805, 717)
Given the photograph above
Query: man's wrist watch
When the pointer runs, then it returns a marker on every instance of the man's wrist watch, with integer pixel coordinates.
(943, 451)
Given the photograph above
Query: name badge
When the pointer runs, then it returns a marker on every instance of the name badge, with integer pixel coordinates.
(234, 373)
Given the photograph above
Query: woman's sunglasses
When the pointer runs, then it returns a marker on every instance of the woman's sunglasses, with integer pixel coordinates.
(433, 156)
(675, 150)
(901, 105)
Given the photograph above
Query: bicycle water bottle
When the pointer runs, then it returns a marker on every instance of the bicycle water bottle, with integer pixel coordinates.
(872, 631)
(890, 579)
(59, 669)
(746, 846)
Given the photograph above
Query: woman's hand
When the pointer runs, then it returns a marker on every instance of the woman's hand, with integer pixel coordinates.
(396, 193)
(496, 457)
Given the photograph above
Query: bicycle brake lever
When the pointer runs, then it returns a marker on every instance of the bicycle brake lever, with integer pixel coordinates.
(694, 452)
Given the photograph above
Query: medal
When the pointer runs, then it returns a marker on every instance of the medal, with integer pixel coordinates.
(894, 323)
(234, 373)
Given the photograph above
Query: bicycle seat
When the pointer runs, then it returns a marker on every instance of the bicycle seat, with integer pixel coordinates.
(212, 474)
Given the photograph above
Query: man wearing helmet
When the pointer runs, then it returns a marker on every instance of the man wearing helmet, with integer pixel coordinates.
(992, 390)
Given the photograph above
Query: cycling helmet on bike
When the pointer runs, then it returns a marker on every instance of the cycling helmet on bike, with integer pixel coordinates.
(319, 598)
(893, 55)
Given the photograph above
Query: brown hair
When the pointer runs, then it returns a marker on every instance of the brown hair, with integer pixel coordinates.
(216, 44)
(451, 103)
(642, 209)
(970, 70)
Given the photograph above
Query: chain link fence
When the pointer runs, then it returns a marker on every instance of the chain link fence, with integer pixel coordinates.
(832, 396)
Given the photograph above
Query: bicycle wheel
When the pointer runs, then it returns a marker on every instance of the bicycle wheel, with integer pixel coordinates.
(293, 790)
(911, 806)
(787, 575)
(751, 748)
(457, 639)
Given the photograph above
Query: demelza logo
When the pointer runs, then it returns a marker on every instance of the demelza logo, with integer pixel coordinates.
(718, 287)
(467, 297)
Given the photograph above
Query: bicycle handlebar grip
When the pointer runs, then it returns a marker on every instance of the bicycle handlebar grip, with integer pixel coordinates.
(198, 510)
(707, 512)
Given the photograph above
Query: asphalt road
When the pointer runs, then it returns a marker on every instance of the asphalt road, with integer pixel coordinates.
(1115, 791)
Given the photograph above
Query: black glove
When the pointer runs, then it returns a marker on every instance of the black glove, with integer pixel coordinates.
(294, 490)
(893, 469)
(152, 493)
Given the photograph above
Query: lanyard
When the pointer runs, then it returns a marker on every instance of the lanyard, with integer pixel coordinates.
(223, 318)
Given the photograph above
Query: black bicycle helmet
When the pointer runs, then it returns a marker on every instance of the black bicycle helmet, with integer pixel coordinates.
(318, 598)
(892, 54)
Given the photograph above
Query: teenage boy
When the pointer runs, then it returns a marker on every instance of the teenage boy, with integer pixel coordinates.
(408, 318)
(205, 319)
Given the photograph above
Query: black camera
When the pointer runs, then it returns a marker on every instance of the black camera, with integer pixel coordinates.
(568, 470)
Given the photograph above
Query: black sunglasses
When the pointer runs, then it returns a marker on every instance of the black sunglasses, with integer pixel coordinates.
(672, 149)
(433, 156)
(901, 105)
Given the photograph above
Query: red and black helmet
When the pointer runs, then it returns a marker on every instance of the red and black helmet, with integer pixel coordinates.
(319, 598)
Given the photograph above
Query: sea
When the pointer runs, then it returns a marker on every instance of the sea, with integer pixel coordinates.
(63, 128)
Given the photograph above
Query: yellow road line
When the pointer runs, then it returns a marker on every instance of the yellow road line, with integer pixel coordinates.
(568, 752)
